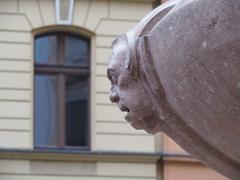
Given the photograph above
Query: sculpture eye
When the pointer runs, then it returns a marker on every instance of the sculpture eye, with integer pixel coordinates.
(112, 76)
(114, 79)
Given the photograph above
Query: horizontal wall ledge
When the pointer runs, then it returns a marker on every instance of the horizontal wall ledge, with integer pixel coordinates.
(178, 158)
(96, 156)
(86, 156)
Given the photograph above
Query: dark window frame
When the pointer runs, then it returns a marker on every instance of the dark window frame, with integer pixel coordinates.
(61, 69)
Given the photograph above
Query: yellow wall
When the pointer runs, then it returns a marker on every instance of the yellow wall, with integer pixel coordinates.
(105, 20)
(62, 170)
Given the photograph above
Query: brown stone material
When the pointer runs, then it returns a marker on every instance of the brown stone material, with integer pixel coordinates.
(178, 71)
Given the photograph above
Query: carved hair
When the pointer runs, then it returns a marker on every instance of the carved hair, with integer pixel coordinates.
(121, 45)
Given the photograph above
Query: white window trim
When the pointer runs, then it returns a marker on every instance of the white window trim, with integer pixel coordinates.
(57, 12)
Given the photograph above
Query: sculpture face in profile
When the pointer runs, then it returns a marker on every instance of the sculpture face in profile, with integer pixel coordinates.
(177, 71)
(128, 89)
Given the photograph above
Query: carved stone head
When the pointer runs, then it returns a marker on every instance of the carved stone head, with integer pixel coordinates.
(128, 87)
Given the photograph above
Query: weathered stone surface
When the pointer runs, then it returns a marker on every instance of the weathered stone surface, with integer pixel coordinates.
(177, 71)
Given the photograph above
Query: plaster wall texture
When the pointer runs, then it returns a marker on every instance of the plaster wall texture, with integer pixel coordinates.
(105, 20)
(184, 168)
(189, 171)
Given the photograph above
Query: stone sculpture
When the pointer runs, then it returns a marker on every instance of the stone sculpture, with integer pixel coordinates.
(178, 71)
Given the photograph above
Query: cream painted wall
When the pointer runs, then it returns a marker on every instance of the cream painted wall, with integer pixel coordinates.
(61, 170)
(15, 77)
(106, 20)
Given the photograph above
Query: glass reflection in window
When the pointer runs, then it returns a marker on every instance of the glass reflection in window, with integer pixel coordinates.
(45, 110)
(77, 93)
(77, 50)
(45, 49)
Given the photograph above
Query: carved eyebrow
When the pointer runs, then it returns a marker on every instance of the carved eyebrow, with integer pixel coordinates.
(110, 73)
(114, 43)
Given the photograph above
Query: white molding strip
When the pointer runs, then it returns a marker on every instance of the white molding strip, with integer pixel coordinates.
(68, 20)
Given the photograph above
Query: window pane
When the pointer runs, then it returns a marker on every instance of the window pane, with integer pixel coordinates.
(77, 93)
(76, 50)
(45, 110)
(45, 49)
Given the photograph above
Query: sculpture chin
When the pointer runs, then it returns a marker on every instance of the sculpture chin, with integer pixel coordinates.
(147, 123)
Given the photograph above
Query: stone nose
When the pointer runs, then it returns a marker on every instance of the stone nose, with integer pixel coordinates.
(114, 96)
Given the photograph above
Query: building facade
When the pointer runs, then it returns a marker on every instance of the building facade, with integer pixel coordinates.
(56, 120)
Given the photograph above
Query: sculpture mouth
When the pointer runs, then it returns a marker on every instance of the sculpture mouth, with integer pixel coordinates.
(123, 108)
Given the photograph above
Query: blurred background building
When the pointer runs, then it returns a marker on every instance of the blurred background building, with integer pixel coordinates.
(56, 120)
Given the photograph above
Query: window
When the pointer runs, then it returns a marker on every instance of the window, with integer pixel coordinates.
(62, 91)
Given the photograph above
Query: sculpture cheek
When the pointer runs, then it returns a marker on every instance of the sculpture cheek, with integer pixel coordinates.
(122, 81)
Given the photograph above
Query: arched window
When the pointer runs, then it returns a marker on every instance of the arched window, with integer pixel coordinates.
(62, 90)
